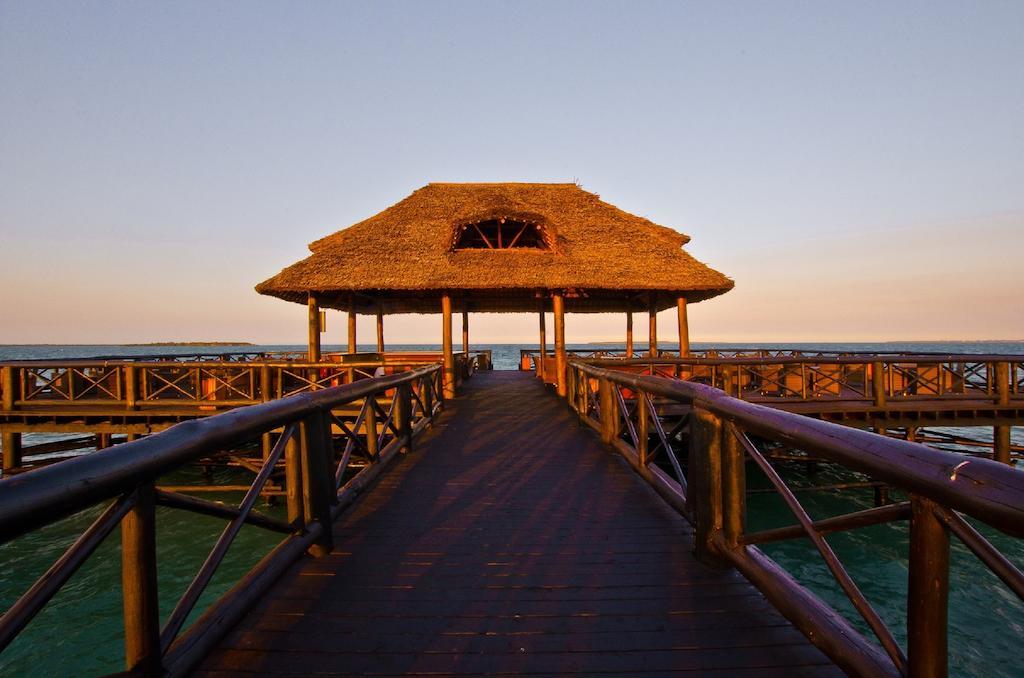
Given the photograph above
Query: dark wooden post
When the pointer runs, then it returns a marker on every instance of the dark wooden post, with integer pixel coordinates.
(734, 488)
(558, 306)
(609, 411)
(293, 481)
(12, 450)
(10, 387)
(629, 333)
(138, 584)
(652, 312)
(927, 592)
(131, 385)
(313, 354)
(543, 341)
(352, 345)
(465, 332)
(370, 424)
(380, 331)
(1002, 375)
(403, 414)
(1001, 448)
(1001, 433)
(446, 343)
(878, 382)
(10, 440)
(265, 396)
(426, 393)
(684, 327)
(317, 480)
(704, 492)
(642, 428)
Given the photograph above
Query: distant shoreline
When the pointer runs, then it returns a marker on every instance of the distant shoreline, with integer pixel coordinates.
(153, 343)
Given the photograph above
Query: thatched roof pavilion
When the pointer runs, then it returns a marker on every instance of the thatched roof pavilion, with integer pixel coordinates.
(500, 247)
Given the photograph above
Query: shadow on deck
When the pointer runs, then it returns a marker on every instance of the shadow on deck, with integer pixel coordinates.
(512, 541)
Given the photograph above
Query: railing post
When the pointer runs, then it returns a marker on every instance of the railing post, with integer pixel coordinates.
(927, 591)
(403, 412)
(293, 481)
(317, 485)
(9, 386)
(609, 420)
(642, 428)
(878, 383)
(427, 395)
(734, 488)
(131, 384)
(139, 584)
(370, 424)
(11, 442)
(1002, 375)
(704, 494)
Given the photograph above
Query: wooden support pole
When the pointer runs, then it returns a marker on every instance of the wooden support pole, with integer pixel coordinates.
(629, 334)
(139, 585)
(541, 372)
(370, 423)
(11, 442)
(643, 428)
(446, 343)
(403, 414)
(380, 331)
(704, 493)
(131, 385)
(927, 592)
(313, 355)
(465, 332)
(317, 479)
(878, 382)
(1002, 374)
(558, 306)
(734, 488)
(352, 347)
(293, 481)
(684, 327)
(427, 394)
(652, 312)
(609, 411)
(9, 385)
(1001, 447)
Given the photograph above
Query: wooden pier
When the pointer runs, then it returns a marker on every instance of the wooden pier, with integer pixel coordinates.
(434, 520)
(523, 547)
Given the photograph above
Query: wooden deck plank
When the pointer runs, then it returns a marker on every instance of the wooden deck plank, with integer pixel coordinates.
(511, 541)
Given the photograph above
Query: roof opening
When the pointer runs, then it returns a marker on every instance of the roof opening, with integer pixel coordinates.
(500, 234)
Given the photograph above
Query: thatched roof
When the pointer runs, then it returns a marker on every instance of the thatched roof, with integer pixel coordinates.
(402, 259)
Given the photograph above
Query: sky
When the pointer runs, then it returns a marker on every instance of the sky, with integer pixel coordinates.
(856, 168)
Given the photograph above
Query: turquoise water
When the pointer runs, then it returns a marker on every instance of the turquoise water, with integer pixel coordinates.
(80, 630)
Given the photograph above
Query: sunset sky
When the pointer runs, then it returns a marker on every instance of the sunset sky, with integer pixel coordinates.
(856, 168)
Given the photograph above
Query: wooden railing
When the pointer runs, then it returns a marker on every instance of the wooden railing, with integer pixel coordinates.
(870, 379)
(324, 458)
(188, 385)
(528, 357)
(704, 478)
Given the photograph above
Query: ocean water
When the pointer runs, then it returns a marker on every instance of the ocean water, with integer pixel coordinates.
(80, 630)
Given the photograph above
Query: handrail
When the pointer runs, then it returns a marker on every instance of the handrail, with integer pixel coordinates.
(711, 493)
(320, 481)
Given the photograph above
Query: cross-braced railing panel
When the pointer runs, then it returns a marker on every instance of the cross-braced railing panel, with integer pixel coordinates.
(193, 386)
(875, 380)
(321, 449)
(640, 417)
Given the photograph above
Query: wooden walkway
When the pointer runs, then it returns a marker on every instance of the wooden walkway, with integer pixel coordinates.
(512, 541)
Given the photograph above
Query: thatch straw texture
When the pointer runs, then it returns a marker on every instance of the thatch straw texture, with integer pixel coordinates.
(402, 259)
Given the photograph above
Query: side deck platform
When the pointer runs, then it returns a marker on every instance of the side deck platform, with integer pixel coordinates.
(510, 540)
